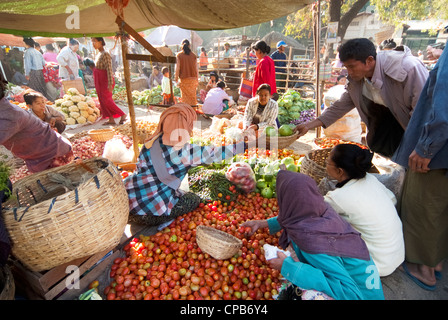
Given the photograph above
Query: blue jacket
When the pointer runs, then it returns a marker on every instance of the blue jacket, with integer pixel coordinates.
(427, 131)
(277, 55)
(338, 277)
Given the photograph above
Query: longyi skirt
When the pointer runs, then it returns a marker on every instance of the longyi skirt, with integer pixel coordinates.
(424, 213)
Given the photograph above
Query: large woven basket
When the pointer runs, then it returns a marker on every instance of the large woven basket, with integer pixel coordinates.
(101, 135)
(7, 286)
(315, 163)
(219, 244)
(50, 225)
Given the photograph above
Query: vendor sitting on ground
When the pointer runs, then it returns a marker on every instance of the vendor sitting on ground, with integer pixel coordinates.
(166, 87)
(29, 138)
(165, 158)
(37, 106)
(332, 257)
(217, 100)
(364, 202)
(261, 111)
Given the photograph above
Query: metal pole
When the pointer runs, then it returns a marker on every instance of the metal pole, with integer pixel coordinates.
(317, 64)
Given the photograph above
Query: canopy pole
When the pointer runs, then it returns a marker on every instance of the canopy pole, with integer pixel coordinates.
(127, 78)
(317, 22)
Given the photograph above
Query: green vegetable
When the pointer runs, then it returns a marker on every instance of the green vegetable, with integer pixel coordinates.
(5, 172)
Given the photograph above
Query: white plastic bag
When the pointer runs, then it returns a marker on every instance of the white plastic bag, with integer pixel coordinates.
(115, 150)
(270, 251)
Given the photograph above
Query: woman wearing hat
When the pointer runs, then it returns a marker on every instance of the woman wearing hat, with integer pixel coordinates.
(265, 70)
(279, 57)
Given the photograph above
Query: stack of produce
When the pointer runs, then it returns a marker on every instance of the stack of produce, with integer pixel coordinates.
(326, 142)
(169, 265)
(86, 148)
(119, 93)
(151, 96)
(293, 109)
(144, 129)
(77, 108)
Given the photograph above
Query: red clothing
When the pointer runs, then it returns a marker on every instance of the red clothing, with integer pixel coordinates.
(264, 73)
(107, 103)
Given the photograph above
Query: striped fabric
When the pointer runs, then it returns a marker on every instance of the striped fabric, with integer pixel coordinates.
(148, 195)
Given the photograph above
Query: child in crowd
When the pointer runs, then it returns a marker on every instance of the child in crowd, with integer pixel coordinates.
(166, 88)
(37, 106)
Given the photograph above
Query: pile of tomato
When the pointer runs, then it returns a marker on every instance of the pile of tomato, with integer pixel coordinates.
(326, 142)
(169, 265)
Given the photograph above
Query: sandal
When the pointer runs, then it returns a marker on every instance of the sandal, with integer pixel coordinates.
(107, 123)
(417, 281)
(122, 120)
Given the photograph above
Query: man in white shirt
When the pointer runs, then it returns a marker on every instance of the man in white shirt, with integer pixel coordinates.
(68, 61)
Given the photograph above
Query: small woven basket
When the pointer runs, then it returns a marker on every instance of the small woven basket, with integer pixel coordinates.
(65, 213)
(219, 244)
(277, 142)
(101, 135)
(315, 163)
(7, 286)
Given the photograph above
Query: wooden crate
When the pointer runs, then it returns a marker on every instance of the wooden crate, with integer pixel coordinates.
(51, 284)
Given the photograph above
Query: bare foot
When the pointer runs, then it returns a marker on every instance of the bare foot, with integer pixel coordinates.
(423, 273)
(439, 267)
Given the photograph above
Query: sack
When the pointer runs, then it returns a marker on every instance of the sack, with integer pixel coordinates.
(246, 88)
(115, 150)
(384, 132)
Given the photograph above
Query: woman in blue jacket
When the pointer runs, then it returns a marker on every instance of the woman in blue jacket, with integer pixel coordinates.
(332, 257)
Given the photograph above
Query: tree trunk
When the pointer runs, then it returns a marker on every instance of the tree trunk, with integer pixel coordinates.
(344, 21)
(348, 17)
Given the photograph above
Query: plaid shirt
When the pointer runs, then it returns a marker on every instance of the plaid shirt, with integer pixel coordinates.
(147, 194)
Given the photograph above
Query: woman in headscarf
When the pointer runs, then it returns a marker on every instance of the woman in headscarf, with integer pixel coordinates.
(166, 157)
(187, 74)
(332, 257)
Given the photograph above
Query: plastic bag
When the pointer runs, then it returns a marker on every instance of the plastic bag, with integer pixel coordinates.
(270, 251)
(115, 150)
(241, 174)
(219, 124)
(346, 128)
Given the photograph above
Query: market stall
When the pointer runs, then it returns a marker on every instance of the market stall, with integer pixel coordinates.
(76, 189)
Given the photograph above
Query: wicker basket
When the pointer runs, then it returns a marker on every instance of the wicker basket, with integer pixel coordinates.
(277, 142)
(49, 226)
(315, 163)
(219, 244)
(101, 135)
(7, 285)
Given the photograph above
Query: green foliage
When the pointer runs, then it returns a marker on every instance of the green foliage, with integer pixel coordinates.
(5, 172)
(299, 24)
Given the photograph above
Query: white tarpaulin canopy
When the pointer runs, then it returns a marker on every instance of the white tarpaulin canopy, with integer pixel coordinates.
(172, 35)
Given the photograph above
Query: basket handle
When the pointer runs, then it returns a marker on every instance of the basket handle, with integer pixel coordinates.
(15, 213)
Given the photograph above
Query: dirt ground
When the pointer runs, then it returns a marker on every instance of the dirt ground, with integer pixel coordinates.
(397, 286)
